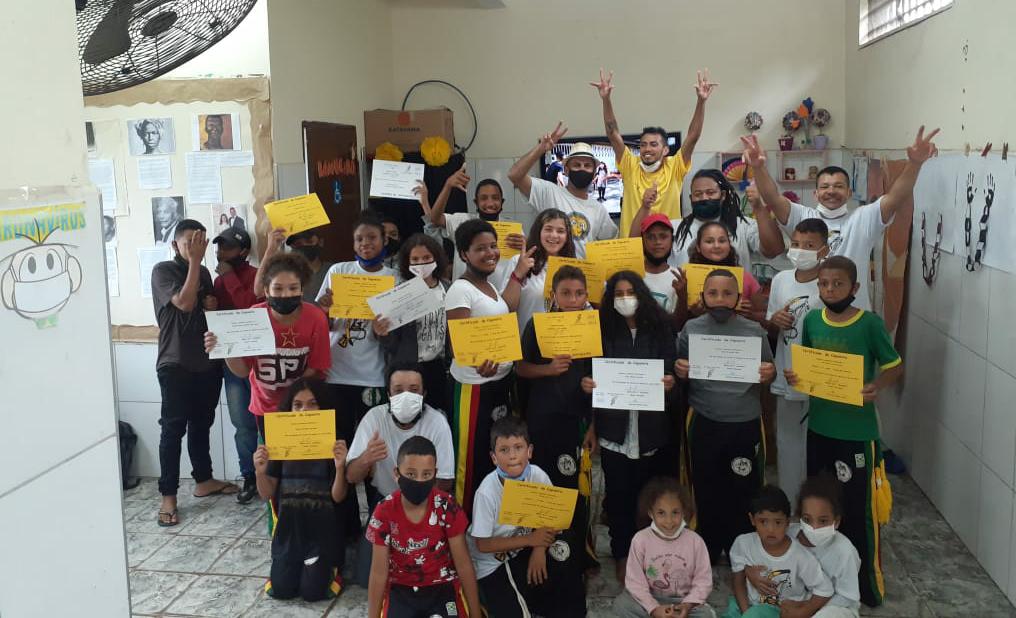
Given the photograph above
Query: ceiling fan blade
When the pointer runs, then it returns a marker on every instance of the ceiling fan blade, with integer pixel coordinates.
(111, 37)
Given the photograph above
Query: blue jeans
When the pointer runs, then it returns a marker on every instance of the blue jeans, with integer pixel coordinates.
(246, 436)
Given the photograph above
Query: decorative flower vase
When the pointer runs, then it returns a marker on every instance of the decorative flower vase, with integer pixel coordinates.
(821, 141)
(786, 142)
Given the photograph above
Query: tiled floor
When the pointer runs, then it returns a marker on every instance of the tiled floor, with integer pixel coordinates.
(215, 562)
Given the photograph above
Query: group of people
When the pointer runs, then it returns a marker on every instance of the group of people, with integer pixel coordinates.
(433, 440)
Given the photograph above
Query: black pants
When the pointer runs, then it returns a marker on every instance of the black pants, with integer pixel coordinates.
(351, 405)
(435, 381)
(505, 593)
(624, 479)
(188, 407)
(439, 600)
(727, 470)
(853, 463)
(292, 578)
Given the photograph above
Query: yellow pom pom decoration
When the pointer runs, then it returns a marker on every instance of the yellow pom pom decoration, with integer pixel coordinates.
(388, 152)
(436, 151)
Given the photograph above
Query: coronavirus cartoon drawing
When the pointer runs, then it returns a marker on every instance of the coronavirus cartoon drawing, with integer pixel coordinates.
(37, 281)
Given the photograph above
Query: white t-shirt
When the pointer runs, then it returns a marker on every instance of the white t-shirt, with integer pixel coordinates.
(357, 357)
(486, 506)
(432, 425)
(747, 241)
(463, 294)
(803, 297)
(589, 219)
(531, 298)
(662, 287)
(432, 329)
(840, 563)
(452, 223)
(796, 573)
(853, 235)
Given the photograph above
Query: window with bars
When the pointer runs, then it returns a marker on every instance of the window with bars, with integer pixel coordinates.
(880, 18)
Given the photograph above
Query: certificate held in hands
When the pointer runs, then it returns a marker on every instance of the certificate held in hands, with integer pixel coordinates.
(493, 338)
(300, 435)
(724, 358)
(407, 302)
(241, 332)
(535, 505)
(503, 229)
(616, 255)
(697, 273)
(297, 214)
(593, 273)
(572, 333)
(395, 179)
(350, 294)
(628, 384)
(835, 376)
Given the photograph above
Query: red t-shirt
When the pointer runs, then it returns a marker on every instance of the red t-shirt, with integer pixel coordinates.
(235, 289)
(298, 347)
(418, 554)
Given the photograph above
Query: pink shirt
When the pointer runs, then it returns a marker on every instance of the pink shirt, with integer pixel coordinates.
(677, 568)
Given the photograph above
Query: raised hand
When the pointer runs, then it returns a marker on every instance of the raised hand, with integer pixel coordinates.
(459, 180)
(196, 246)
(605, 85)
(680, 284)
(549, 140)
(753, 155)
(649, 197)
(704, 87)
(923, 148)
(526, 262)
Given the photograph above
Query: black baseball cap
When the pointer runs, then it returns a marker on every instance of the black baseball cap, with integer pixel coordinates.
(302, 236)
(234, 236)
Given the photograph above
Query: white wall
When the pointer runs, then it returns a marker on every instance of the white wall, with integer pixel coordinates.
(526, 66)
(61, 526)
(244, 51)
(330, 61)
(954, 422)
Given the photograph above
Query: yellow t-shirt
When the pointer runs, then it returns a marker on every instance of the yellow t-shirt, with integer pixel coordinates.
(668, 179)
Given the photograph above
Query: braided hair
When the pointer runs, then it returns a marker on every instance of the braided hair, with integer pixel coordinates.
(730, 211)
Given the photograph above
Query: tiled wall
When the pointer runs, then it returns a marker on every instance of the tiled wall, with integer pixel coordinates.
(954, 420)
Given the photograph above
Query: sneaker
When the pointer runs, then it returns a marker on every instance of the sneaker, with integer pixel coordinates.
(250, 489)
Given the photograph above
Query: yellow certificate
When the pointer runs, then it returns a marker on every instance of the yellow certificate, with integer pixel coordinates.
(697, 273)
(300, 435)
(494, 338)
(350, 294)
(575, 333)
(535, 505)
(297, 214)
(830, 375)
(503, 229)
(616, 255)
(593, 273)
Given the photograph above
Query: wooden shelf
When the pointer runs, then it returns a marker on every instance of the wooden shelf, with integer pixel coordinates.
(813, 153)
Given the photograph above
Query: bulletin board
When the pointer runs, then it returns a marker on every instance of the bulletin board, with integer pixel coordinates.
(143, 193)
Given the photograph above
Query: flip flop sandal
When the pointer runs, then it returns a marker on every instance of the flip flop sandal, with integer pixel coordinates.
(225, 490)
(171, 519)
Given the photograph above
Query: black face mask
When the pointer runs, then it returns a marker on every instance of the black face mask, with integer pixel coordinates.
(655, 261)
(721, 314)
(839, 306)
(488, 216)
(311, 252)
(706, 209)
(285, 304)
(415, 491)
(392, 246)
(580, 178)
(237, 262)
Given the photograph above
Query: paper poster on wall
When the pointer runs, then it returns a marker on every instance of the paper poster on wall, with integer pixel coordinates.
(167, 212)
(239, 158)
(216, 132)
(151, 136)
(147, 259)
(112, 271)
(984, 190)
(204, 178)
(935, 196)
(102, 173)
(154, 173)
(228, 216)
(39, 272)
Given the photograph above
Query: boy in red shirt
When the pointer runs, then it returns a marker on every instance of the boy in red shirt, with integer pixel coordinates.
(421, 565)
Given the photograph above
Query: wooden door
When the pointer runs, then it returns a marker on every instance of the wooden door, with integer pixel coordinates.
(333, 172)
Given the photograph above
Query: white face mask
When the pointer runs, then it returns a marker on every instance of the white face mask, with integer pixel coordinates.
(423, 270)
(626, 305)
(406, 406)
(669, 537)
(832, 213)
(818, 536)
(803, 259)
(649, 169)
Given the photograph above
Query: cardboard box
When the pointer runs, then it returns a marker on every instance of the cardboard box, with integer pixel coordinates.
(406, 129)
